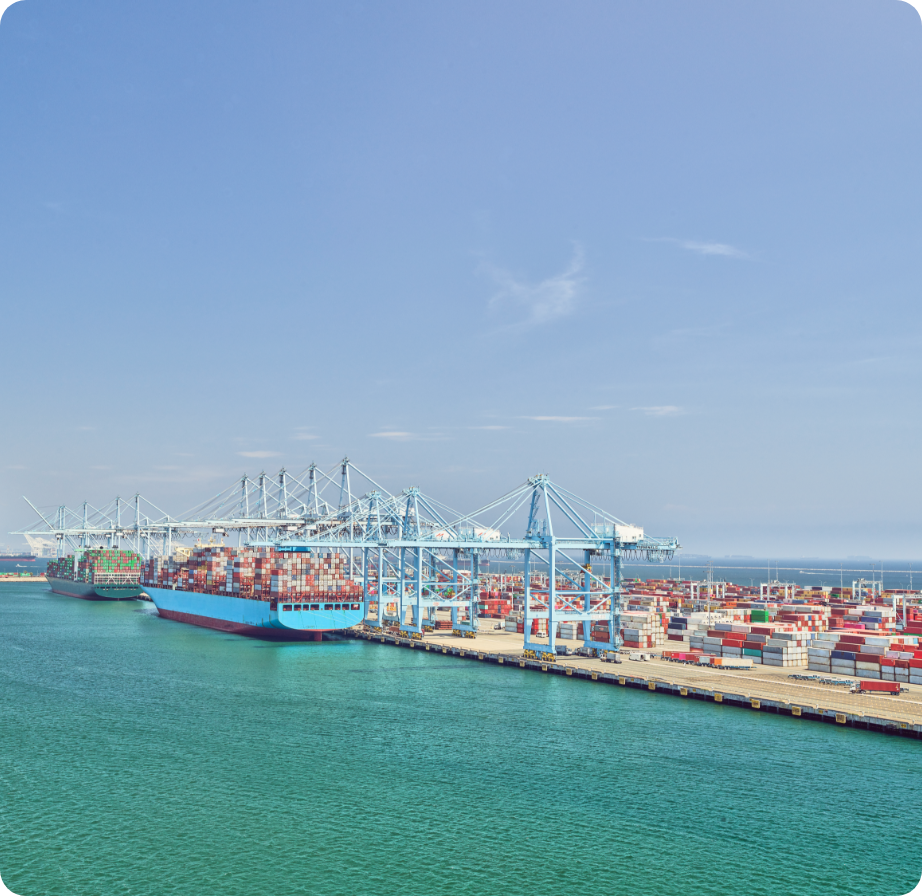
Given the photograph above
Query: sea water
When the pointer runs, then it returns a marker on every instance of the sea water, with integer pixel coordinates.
(142, 756)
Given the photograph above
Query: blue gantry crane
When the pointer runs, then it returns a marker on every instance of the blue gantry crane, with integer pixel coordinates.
(408, 549)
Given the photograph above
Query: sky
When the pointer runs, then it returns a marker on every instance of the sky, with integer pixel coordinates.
(666, 252)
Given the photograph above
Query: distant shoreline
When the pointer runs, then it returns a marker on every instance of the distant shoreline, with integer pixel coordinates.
(13, 577)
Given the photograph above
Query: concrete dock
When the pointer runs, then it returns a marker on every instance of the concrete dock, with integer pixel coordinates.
(762, 688)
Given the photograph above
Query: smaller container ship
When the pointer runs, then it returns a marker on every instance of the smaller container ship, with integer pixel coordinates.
(97, 574)
(290, 595)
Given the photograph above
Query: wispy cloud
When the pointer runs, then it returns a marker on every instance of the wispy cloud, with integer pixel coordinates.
(551, 419)
(258, 453)
(396, 436)
(713, 249)
(488, 427)
(704, 248)
(304, 437)
(661, 410)
(399, 436)
(604, 407)
(543, 302)
(17, 467)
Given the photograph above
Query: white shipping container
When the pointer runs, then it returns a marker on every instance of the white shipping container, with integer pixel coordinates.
(842, 666)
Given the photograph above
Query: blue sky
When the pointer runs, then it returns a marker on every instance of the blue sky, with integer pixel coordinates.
(667, 252)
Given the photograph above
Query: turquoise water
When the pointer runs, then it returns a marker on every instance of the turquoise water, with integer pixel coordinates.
(140, 756)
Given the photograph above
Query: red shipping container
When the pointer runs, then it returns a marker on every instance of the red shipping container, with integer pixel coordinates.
(892, 687)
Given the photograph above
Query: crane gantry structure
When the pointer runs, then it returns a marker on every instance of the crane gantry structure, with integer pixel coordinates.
(408, 549)
(267, 508)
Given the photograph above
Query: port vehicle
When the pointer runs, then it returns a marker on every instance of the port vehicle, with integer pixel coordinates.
(563, 650)
(877, 687)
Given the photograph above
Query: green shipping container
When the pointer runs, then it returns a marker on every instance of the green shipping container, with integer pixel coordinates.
(758, 616)
(748, 651)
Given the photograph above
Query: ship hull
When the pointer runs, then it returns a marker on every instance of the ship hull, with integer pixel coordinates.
(253, 618)
(89, 591)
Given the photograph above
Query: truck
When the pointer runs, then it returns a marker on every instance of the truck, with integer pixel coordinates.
(876, 687)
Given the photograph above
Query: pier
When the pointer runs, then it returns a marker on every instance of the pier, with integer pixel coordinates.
(762, 689)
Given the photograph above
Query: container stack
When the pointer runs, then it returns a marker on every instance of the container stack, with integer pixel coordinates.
(768, 645)
(101, 566)
(864, 617)
(494, 607)
(677, 629)
(642, 630)
(874, 657)
(516, 623)
(569, 631)
(257, 574)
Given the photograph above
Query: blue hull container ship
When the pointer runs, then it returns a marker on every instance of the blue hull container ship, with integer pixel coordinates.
(259, 592)
(275, 620)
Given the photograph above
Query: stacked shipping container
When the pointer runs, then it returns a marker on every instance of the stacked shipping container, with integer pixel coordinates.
(256, 574)
(100, 566)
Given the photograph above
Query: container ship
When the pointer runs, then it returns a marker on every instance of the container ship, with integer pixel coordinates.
(288, 595)
(100, 574)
